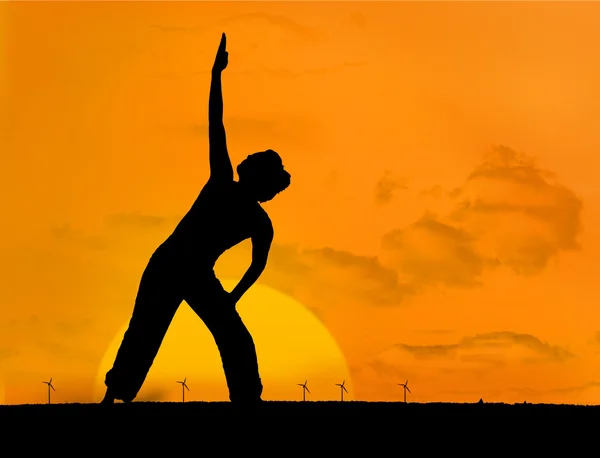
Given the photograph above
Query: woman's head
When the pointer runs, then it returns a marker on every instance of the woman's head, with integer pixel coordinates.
(263, 175)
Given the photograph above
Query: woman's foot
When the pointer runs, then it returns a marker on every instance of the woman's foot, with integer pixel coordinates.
(108, 398)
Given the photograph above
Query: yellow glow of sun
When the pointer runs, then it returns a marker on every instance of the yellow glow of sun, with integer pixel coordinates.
(292, 345)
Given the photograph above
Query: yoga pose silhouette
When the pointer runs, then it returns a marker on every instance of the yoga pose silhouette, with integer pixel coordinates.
(225, 213)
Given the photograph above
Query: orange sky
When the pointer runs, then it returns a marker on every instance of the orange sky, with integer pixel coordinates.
(443, 216)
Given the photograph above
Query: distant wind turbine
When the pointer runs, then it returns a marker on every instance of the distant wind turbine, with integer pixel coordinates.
(342, 388)
(183, 388)
(405, 385)
(304, 389)
(49, 386)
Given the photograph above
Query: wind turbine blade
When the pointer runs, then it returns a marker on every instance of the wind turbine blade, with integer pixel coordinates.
(186, 387)
(300, 384)
(406, 383)
(307, 390)
(50, 379)
(344, 388)
(52, 388)
(344, 382)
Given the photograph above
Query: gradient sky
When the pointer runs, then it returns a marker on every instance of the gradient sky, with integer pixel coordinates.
(443, 216)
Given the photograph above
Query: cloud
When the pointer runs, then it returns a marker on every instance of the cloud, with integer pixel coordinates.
(507, 213)
(324, 278)
(126, 232)
(73, 328)
(387, 186)
(482, 350)
(310, 34)
(429, 252)
(59, 338)
(328, 276)
(6, 353)
(179, 29)
(64, 350)
(435, 331)
(576, 389)
(136, 220)
(357, 20)
(436, 192)
(66, 234)
(361, 278)
(288, 25)
(520, 215)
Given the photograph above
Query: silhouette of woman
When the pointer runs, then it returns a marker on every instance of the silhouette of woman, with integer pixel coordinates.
(225, 213)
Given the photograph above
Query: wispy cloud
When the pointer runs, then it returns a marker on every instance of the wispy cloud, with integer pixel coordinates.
(286, 24)
(136, 220)
(67, 234)
(357, 20)
(387, 185)
(307, 33)
(54, 339)
(490, 349)
(577, 388)
(6, 353)
(437, 192)
(192, 30)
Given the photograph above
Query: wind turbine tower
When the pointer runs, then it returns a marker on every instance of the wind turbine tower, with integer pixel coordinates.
(405, 386)
(183, 388)
(342, 388)
(304, 389)
(49, 386)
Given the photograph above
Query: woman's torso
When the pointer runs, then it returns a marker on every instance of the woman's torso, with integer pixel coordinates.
(220, 218)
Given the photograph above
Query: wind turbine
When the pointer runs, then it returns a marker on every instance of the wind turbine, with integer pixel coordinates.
(49, 386)
(405, 385)
(183, 388)
(342, 388)
(304, 389)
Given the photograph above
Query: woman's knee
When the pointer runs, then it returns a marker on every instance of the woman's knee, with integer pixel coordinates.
(232, 332)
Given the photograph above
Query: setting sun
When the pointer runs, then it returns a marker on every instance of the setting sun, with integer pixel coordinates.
(292, 345)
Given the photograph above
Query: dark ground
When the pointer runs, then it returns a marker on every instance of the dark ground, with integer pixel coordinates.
(348, 429)
(164, 410)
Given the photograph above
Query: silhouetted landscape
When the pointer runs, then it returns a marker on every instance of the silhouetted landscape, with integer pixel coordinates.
(436, 228)
(150, 411)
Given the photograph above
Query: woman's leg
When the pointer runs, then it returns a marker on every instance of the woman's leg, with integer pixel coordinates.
(155, 305)
(236, 346)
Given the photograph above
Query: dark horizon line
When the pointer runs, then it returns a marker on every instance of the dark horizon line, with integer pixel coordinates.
(318, 401)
